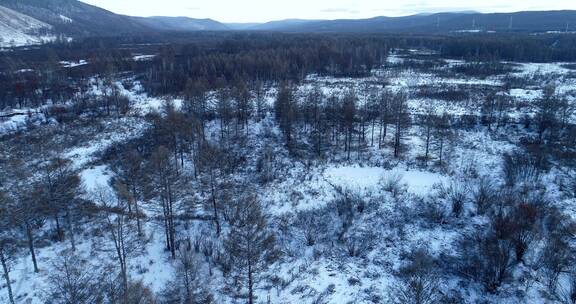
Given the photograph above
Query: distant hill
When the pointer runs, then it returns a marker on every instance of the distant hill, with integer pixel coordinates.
(281, 25)
(24, 22)
(241, 26)
(18, 29)
(75, 18)
(181, 24)
(439, 23)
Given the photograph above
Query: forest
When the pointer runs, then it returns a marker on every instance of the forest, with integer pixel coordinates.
(289, 168)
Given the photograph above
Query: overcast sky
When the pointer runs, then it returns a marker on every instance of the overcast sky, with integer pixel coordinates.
(267, 10)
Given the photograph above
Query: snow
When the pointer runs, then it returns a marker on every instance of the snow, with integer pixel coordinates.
(81, 156)
(143, 104)
(17, 29)
(298, 187)
(152, 267)
(12, 123)
(531, 69)
(65, 19)
(17, 120)
(357, 177)
(526, 94)
(95, 178)
(143, 57)
(468, 31)
(73, 64)
(159, 268)
(368, 178)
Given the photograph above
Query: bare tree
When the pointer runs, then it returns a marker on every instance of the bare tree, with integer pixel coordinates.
(487, 257)
(488, 110)
(250, 245)
(260, 101)
(349, 118)
(556, 258)
(224, 110)
(286, 111)
(189, 287)
(71, 282)
(315, 101)
(212, 160)
(60, 186)
(442, 134)
(164, 179)
(420, 282)
(6, 243)
(26, 208)
(117, 224)
(401, 120)
(384, 111)
(485, 195)
(427, 124)
(133, 175)
(547, 109)
(243, 104)
(196, 105)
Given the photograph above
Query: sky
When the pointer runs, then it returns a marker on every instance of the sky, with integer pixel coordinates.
(268, 10)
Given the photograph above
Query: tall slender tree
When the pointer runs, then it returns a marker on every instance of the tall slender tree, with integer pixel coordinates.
(250, 246)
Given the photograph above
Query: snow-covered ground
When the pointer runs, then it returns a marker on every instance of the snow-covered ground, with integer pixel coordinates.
(73, 64)
(143, 57)
(367, 178)
(323, 273)
(17, 29)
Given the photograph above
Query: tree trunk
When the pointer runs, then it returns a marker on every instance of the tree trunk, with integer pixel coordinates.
(70, 230)
(138, 223)
(214, 205)
(221, 129)
(319, 147)
(427, 143)
(187, 283)
(372, 140)
(136, 211)
(31, 246)
(250, 285)
(6, 276)
(361, 139)
(118, 238)
(166, 224)
(441, 149)
(171, 223)
(59, 232)
(397, 141)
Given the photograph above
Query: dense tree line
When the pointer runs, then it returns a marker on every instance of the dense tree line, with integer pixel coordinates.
(35, 76)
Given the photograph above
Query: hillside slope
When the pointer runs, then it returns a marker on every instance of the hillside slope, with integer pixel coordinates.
(181, 24)
(75, 18)
(542, 21)
(17, 29)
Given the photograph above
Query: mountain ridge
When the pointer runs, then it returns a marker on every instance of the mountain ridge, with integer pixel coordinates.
(76, 19)
(181, 23)
(525, 21)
